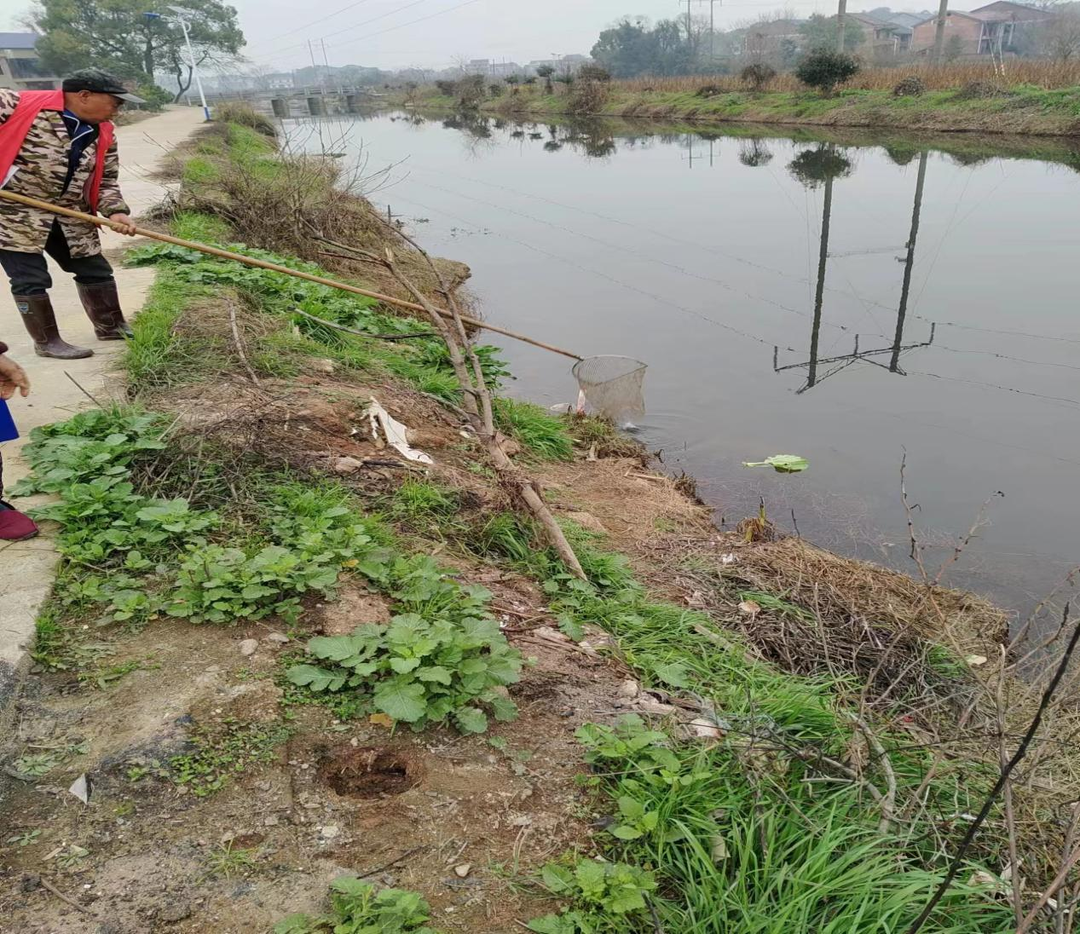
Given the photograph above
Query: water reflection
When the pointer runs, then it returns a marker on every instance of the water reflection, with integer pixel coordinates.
(822, 166)
(753, 153)
(784, 259)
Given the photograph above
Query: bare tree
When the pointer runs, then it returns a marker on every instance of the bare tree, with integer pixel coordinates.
(1059, 38)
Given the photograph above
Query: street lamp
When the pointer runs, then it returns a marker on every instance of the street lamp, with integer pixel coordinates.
(180, 14)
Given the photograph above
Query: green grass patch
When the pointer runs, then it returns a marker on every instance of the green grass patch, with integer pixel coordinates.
(221, 754)
(246, 145)
(536, 430)
(161, 354)
(202, 228)
(200, 170)
(417, 500)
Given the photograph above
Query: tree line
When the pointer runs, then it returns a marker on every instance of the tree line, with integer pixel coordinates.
(137, 40)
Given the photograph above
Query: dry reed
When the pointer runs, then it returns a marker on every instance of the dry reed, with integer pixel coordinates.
(1036, 72)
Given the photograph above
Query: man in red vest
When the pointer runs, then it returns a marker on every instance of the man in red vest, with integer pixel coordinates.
(60, 147)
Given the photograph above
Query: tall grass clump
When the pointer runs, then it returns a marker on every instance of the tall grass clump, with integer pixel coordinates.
(245, 115)
(536, 430)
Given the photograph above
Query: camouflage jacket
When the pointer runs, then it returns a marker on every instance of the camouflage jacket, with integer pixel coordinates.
(41, 168)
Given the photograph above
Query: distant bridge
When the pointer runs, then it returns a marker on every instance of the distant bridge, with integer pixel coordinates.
(305, 102)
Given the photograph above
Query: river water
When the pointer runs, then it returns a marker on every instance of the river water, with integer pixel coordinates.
(768, 331)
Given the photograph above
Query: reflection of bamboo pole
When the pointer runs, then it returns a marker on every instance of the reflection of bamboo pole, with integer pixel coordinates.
(909, 262)
(819, 295)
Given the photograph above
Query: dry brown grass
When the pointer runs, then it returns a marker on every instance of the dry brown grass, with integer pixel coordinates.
(1042, 74)
(291, 203)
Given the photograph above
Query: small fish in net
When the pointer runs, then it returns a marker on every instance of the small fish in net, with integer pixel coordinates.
(613, 386)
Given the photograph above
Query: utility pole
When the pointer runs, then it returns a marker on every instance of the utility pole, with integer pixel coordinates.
(841, 14)
(939, 32)
(909, 262)
(180, 13)
(712, 25)
(326, 61)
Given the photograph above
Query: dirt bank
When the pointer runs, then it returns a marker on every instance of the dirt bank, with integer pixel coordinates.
(283, 653)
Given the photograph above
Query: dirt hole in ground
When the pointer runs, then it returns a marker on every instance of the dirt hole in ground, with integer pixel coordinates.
(371, 771)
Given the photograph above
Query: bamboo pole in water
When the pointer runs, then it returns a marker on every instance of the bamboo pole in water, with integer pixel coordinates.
(275, 267)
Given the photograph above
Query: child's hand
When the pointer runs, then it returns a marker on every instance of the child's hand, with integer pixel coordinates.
(12, 377)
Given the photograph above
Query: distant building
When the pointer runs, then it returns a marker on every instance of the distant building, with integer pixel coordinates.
(884, 36)
(990, 30)
(485, 66)
(20, 68)
(779, 38)
(562, 64)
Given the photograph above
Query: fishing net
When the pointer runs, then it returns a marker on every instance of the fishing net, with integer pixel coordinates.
(613, 386)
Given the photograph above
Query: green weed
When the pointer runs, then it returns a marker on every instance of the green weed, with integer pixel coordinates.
(26, 838)
(606, 898)
(750, 845)
(108, 675)
(71, 856)
(37, 764)
(419, 500)
(229, 862)
(220, 754)
(444, 660)
(359, 907)
(505, 535)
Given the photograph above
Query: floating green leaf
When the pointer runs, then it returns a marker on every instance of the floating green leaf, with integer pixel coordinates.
(782, 463)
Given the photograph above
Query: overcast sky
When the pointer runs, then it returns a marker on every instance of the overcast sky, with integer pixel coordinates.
(431, 33)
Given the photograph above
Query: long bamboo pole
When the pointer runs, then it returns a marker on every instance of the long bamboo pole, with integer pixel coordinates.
(275, 267)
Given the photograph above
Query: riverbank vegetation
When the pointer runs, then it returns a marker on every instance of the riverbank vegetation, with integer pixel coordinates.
(1028, 97)
(297, 655)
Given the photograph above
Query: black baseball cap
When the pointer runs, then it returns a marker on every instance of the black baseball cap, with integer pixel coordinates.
(100, 82)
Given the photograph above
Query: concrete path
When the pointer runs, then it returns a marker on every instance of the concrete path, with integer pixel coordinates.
(26, 568)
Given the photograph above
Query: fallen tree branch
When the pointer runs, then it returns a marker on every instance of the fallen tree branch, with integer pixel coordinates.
(393, 862)
(240, 346)
(66, 898)
(888, 800)
(482, 417)
(1062, 875)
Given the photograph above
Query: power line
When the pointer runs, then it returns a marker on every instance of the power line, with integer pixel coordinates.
(314, 22)
(663, 300)
(631, 252)
(401, 9)
(716, 251)
(1004, 356)
(1072, 403)
(411, 22)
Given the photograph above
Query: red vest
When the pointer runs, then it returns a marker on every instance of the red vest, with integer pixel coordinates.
(13, 134)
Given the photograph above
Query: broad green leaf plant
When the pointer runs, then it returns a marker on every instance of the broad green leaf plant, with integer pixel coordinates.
(445, 660)
(606, 898)
(359, 908)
